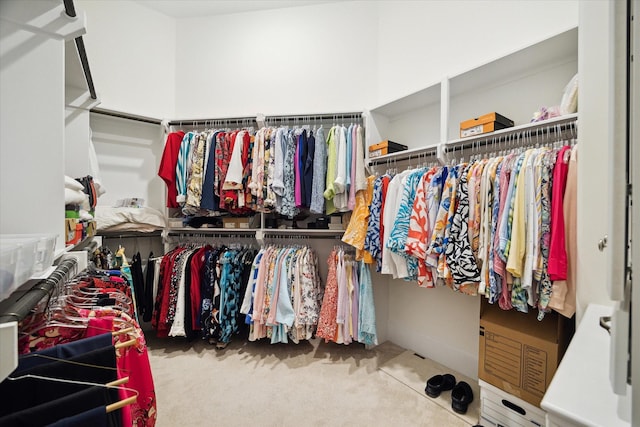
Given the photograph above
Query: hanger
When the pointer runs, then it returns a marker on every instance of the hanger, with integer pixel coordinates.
(121, 381)
(109, 408)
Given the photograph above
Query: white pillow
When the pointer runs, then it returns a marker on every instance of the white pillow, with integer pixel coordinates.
(74, 197)
(72, 184)
(569, 103)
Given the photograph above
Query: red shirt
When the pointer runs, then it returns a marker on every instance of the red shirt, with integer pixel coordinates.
(557, 247)
(168, 165)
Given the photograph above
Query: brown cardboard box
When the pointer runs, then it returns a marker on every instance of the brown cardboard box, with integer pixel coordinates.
(236, 222)
(229, 222)
(520, 354)
(71, 235)
(243, 222)
(486, 123)
(385, 147)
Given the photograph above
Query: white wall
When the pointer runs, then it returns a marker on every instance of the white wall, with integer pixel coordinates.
(131, 52)
(32, 130)
(128, 157)
(420, 42)
(323, 58)
(76, 142)
(312, 59)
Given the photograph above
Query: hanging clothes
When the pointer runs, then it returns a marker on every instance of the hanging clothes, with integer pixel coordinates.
(483, 227)
(90, 322)
(286, 170)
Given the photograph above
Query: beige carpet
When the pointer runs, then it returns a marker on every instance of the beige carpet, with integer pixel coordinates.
(309, 384)
(413, 371)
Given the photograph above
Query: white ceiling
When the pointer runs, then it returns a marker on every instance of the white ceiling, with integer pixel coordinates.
(193, 8)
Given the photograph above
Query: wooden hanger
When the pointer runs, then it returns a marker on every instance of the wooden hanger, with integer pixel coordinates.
(126, 344)
(109, 408)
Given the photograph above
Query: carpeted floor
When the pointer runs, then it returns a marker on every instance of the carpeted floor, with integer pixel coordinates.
(309, 384)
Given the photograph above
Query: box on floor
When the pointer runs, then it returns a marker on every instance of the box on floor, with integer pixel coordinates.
(520, 354)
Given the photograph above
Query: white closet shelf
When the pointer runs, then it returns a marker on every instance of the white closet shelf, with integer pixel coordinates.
(549, 52)
(208, 230)
(404, 155)
(542, 127)
(535, 128)
(413, 101)
(266, 231)
(302, 231)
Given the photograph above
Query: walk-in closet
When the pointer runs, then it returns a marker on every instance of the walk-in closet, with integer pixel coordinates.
(311, 213)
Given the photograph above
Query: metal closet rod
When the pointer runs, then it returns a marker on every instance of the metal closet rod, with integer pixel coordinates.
(205, 122)
(70, 10)
(546, 128)
(20, 308)
(126, 116)
(277, 118)
(402, 156)
(321, 116)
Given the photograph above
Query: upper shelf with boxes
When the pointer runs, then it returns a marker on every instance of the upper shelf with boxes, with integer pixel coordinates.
(514, 90)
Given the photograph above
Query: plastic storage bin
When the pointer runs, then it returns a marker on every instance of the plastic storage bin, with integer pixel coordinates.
(45, 248)
(25, 256)
(8, 263)
(25, 259)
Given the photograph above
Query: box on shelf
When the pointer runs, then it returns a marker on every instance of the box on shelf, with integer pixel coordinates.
(175, 222)
(385, 147)
(497, 407)
(44, 249)
(486, 123)
(243, 222)
(72, 231)
(236, 222)
(520, 354)
(91, 228)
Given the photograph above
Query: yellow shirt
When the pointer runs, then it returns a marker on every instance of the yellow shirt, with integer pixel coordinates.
(518, 234)
(356, 231)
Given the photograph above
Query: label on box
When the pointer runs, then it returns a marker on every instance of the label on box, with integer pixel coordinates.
(502, 357)
(229, 225)
(375, 153)
(476, 130)
(535, 370)
(175, 222)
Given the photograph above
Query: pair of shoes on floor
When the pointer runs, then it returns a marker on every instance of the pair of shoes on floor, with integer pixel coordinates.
(461, 393)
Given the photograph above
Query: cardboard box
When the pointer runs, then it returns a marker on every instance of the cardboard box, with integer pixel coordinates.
(229, 223)
(385, 147)
(236, 222)
(91, 228)
(486, 123)
(518, 353)
(72, 231)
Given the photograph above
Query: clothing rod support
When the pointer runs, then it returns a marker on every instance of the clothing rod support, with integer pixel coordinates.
(69, 8)
(84, 60)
